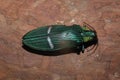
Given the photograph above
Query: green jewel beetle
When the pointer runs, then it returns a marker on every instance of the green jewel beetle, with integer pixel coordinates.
(58, 37)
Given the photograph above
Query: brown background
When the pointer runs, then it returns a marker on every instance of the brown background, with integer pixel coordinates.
(20, 16)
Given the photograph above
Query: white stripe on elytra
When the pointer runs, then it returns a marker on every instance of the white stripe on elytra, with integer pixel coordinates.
(50, 42)
(49, 39)
(49, 29)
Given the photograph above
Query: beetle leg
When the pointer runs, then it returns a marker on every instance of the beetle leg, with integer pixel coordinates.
(83, 48)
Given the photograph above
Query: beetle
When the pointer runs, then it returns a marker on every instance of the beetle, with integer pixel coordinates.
(58, 37)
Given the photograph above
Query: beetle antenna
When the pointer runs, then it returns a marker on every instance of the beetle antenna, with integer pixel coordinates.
(89, 26)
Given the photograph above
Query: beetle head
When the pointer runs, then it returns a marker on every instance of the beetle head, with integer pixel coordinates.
(89, 33)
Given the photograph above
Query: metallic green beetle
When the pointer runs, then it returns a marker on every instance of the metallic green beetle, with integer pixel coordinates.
(58, 37)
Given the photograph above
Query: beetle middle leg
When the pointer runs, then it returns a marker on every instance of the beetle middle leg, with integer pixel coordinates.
(78, 49)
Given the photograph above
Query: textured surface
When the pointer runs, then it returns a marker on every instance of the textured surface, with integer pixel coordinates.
(19, 16)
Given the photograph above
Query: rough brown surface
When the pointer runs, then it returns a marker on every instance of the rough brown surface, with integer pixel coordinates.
(19, 16)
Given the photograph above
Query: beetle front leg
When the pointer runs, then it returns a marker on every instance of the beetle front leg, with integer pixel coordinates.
(83, 48)
(80, 48)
